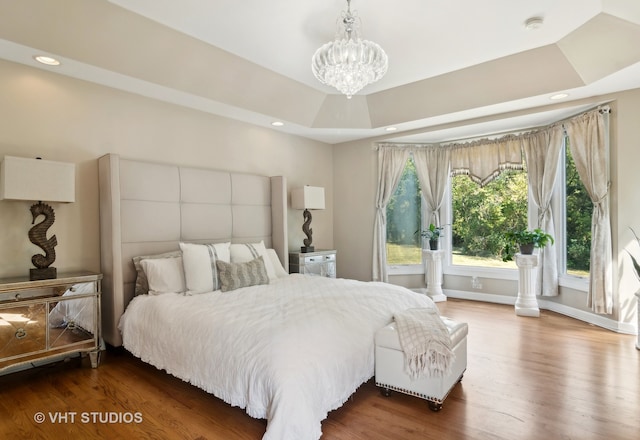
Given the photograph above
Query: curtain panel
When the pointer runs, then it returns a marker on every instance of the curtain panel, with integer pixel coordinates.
(391, 163)
(542, 154)
(589, 143)
(432, 167)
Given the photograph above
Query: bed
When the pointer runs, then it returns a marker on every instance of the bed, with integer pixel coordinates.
(286, 348)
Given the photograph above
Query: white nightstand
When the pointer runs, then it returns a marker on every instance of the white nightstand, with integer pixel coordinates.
(320, 262)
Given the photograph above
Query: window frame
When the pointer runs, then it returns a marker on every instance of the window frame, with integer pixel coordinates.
(558, 204)
(448, 268)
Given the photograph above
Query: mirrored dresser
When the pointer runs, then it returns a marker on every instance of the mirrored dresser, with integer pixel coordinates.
(48, 319)
(320, 263)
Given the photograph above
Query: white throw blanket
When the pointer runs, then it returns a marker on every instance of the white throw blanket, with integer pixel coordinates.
(425, 342)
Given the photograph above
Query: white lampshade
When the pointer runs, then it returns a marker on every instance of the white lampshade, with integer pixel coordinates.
(37, 180)
(307, 197)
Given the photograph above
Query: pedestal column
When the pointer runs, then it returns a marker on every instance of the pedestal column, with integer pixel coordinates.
(433, 274)
(526, 304)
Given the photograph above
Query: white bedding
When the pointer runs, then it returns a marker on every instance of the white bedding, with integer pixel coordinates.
(289, 352)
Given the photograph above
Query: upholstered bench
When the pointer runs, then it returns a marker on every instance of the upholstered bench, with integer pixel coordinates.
(390, 374)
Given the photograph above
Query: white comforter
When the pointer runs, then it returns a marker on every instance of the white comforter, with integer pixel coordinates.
(290, 351)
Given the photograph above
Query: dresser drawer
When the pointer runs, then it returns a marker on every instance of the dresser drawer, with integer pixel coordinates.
(23, 330)
(319, 259)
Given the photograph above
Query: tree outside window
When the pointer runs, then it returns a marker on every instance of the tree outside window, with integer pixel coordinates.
(578, 213)
(482, 215)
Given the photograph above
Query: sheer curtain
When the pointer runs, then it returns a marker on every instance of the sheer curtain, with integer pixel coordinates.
(542, 154)
(391, 163)
(589, 143)
(432, 167)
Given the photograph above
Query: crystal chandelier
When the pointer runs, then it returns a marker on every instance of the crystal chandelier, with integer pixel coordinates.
(349, 63)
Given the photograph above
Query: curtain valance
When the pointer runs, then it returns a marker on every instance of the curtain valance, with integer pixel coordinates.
(483, 160)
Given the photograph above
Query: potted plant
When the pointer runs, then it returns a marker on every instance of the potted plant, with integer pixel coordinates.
(433, 234)
(636, 265)
(525, 241)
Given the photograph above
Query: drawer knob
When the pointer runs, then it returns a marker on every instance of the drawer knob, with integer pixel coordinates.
(21, 333)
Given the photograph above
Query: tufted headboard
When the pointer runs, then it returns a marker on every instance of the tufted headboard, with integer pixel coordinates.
(148, 208)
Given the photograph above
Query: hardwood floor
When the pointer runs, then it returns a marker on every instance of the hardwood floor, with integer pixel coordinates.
(551, 377)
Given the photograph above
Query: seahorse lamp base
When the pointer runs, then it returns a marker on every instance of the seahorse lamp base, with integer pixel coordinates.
(46, 273)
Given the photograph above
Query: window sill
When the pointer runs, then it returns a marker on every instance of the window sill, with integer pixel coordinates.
(572, 282)
(481, 272)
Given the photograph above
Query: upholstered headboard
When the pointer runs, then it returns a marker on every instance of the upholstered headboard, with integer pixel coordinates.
(148, 208)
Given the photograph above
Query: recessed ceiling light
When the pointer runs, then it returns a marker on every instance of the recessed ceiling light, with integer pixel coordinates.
(390, 129)
(277, 123)
(533, 23)
(559, 96)
(46, 60)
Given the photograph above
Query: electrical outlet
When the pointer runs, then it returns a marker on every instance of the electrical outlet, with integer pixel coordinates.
(476, 283)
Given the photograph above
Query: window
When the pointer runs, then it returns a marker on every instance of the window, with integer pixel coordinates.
(404, 219)
(481, 215)
(477, 218)
(578, 210)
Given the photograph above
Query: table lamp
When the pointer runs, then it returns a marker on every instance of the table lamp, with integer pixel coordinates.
(40, 181)
(307, 198)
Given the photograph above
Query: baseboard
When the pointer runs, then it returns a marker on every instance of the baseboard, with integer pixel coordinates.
(590, 318)
(598, 320)
(477, 296)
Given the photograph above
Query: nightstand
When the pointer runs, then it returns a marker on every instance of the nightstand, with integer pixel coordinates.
(320, 262)
(46, 319)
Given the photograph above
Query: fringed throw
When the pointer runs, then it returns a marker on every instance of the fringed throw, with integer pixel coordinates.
(425, 342)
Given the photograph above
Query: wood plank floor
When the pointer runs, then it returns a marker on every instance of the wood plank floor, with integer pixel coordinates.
(527, 378)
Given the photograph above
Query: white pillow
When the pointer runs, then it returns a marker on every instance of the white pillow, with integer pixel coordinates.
(165, 275)
(242, 253)
(277, 265)
(142, 285)
(199, 261)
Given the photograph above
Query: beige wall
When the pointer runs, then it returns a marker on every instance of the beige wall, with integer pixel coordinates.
(355, 168)
(64, 119)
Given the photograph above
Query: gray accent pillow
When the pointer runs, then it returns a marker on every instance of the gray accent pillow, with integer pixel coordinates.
(142, 284)
(236, 275)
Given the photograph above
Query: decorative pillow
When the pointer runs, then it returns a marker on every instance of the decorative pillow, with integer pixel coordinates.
(142, 285)
(199, 261)
(241, 253)
(165, 275)
(236, 275)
